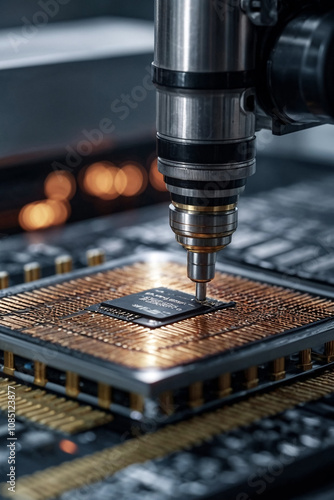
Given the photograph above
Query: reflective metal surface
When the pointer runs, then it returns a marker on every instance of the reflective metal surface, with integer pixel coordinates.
(203, 115)
(195, 35)
(207, 172)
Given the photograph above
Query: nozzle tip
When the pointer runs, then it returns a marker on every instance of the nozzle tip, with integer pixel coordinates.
(200, 292)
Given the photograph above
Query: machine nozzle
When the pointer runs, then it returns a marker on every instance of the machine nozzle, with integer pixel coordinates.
(201, 270)
(205, 124)
(200, 292)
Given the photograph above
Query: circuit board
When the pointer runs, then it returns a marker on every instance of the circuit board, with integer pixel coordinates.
(95, 386)
(56, 336)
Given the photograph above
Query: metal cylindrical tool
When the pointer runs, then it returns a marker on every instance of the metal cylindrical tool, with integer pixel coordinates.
(204, 73)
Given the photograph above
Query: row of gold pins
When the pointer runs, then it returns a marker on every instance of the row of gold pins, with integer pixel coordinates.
(83, 332)
(190, 329)
(63, 264)
(233, 287)
(195, 390)
(251, 379)
(72, 384)
(90, 286)
(241, 286)
(173, 438)
(49, 410)
(287, 293)
(183, 332)
(222, 340)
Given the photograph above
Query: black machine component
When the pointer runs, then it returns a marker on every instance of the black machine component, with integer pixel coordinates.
(295, 67)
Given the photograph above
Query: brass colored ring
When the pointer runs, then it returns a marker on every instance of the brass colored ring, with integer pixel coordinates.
(192, 208)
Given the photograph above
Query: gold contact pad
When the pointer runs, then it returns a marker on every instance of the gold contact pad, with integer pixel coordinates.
(261, 311)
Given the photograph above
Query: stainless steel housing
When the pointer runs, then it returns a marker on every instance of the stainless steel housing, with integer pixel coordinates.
(201, 36)
(204, 58)
(203, 115)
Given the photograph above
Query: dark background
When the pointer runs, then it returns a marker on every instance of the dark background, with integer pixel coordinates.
(13, 11)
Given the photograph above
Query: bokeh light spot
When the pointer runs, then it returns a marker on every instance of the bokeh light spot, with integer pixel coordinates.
(131, 180)
(59, 186)
(68, 446)
(44, 214)
(99, 180)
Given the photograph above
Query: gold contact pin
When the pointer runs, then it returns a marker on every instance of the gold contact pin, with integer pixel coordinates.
(277, 369)
(95, 257)
(72, 384)
(64, 264)
(224, 385)
(40, 373)
(305, 360)
(104, 395)
(4, 280)
(32, 272)
(8, 367)
(251, 377)
(196, 394)
(329, 351)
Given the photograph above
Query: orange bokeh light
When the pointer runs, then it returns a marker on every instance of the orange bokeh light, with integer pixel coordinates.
(99, 180)
(60, 185)
(107, 182)
(43, 214)
(157, 179)
(121, 181)
(68, 447)
(131, 180)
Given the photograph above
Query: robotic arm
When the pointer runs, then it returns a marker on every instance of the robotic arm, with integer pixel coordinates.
(223, 70)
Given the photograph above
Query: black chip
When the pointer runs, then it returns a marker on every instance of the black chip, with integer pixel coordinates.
(157, 307)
